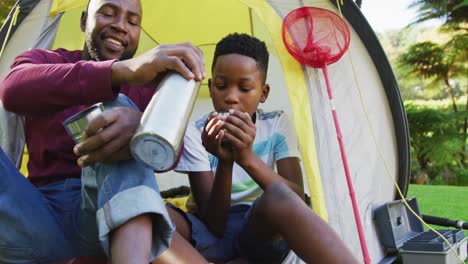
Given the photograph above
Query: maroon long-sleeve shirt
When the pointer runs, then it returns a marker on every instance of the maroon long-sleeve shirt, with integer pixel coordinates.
(47, 87)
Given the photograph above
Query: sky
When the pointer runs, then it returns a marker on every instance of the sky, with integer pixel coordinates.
(386, 15)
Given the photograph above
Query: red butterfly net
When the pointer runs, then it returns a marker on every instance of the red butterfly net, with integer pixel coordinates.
(317, 37)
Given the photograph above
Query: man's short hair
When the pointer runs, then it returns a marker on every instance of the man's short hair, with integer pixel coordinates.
(246, 45)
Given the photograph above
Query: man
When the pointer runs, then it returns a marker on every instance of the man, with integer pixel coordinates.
(111, 205)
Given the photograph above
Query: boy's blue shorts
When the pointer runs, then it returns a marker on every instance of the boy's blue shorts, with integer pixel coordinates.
(75, 216)
(238, 241)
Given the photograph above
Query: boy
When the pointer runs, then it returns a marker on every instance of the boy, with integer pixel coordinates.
(243, 204)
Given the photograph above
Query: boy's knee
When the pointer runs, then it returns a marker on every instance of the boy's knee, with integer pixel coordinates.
(274, 197)
(278, 192)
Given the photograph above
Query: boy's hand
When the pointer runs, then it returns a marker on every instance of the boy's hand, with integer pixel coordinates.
(239, 134)
(212, 138)
(183, 58)
(108, 137)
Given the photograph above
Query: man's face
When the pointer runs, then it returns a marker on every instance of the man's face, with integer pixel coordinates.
(112, 29)
(237, 84)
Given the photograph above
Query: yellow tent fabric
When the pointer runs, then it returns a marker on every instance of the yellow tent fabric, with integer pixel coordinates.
(299, 102)
(162, 23)
(371, 112)
(62, 5)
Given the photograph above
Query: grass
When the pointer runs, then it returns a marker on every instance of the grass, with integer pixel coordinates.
(443, 201)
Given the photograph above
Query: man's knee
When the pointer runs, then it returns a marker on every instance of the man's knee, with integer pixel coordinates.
(121, 101)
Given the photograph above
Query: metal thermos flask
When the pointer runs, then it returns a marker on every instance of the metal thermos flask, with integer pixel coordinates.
(158, 140)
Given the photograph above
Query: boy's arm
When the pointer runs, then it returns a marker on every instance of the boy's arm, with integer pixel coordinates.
(241, 133)
(213, 196)
(215, 208)
(289, 173)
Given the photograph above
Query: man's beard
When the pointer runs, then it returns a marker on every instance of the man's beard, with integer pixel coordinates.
(96, 55)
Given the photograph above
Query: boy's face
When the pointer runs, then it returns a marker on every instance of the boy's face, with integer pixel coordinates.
(112, 29)
(237, 84)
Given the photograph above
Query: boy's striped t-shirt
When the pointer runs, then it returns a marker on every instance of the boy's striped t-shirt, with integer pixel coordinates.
(275, 139)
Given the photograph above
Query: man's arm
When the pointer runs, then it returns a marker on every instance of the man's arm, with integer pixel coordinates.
(41, 82)
(183, 58)
(54, 84)
(108, 137)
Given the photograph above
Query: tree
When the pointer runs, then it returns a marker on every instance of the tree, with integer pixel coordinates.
(454, 12)
(5, 7)
(435, 140)
(428, 59)
(451, 58)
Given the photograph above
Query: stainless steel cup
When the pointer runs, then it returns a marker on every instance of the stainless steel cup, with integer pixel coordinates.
(76, 124)
(223, 115)
(158, 141)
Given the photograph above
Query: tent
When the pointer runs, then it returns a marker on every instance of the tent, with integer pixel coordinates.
(367, 98)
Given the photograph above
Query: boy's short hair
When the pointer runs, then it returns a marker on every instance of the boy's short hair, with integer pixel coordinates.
(246, 45)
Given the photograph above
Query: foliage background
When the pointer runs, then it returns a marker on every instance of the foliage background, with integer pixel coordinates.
(5, 7)
(396, 43)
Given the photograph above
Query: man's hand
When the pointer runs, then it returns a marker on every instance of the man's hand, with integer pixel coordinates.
(108, 137)
(183, 58)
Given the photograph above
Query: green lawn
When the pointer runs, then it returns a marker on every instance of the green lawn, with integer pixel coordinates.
(443, 201)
